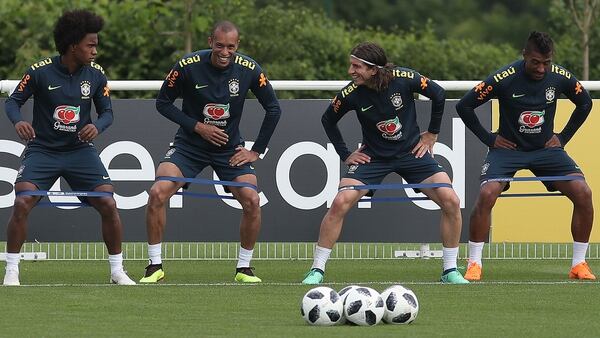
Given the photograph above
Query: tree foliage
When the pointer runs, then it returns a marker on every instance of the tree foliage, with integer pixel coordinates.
(300, 41)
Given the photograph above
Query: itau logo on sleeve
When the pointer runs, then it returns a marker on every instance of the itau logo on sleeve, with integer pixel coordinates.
(66, 118)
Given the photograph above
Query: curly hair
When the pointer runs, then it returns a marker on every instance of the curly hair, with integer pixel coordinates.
(540, 42)
(73, 26)
(375, 56)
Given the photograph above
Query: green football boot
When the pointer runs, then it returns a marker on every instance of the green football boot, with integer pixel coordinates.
(314, 276)
(452, 276)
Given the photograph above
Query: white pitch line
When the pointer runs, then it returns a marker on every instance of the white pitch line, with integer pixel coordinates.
(324, 284)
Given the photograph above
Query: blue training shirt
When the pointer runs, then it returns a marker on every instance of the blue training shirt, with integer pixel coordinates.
(216, 96)
(527, 106)
(388, 118)
(62, 102)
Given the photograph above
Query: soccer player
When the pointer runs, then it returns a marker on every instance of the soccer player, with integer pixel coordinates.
(527, 91)
(59, 141)
(213, 84)
(382, 95)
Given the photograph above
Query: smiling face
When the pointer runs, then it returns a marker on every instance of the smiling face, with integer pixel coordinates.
(85, 51)
(537, 64)
(223, 45)
(360, 72)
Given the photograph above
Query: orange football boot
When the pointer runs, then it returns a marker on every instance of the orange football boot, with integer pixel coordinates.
(473, 272)
(581, 271)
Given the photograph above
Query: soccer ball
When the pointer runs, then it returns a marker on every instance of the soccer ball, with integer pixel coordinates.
(401, 305)
(322, 306)
(363, 306)
(343, 293)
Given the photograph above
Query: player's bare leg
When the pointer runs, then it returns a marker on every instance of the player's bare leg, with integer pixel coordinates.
(156, 218)
(581, 225)
(249, 227)
(16, 231)
(481, 216)
(450, 225)
(331, 227)
(479, 226)
(447, 200)
(160, 193)
(112, 233)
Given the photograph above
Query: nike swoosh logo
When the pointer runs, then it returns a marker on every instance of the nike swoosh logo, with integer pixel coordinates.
(105, 177)
(518, 95)
(52, 88)
(365, 109)
(200, 87)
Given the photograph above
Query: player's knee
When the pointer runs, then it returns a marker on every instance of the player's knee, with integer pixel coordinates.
(450, 202)
(583, 194)
(487, 197)
(341, 204)
(106, 204)
(157, 196)
(22, 206)
(251, 203)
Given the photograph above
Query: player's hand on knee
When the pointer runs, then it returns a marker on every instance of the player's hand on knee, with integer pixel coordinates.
(358, 157)
(25, 131)
(88, 133)
(212, 134)
(503, 143)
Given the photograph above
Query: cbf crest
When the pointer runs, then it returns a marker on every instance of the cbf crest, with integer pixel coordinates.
(396, 100)
(234, 87)
(484, 168)
(85, 89)
(550, 92)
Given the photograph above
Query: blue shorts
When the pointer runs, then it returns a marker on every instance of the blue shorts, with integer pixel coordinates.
(412, 169)
(192, 162)
(81, 168)
(504, 163)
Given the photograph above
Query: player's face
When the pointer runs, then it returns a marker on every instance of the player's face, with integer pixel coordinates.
(537, 64)
(360, 72)
(223, 45)
(86, 50)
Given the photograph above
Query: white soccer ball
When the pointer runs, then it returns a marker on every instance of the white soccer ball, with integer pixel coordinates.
(363, 306)
(343, 293)
(401, 305)
(322, 306)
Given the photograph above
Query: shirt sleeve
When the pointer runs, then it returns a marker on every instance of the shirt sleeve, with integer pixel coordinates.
(17, 99)
(335, 111)
(422, 85)
(465, 108)
(103, 106)
(583, 105)
(262, 89)
(171, 89)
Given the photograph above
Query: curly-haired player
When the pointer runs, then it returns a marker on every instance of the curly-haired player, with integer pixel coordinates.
(59, 140)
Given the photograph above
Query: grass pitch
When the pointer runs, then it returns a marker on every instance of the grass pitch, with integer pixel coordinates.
(519, 298)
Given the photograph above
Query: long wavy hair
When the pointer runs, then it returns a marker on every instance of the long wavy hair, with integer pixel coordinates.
(375, 57)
